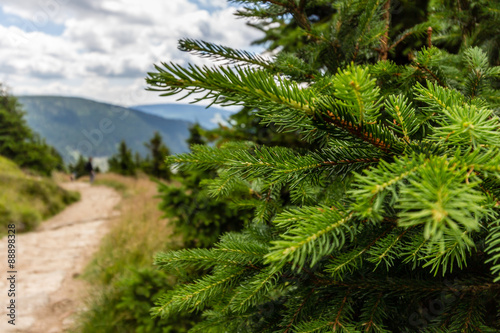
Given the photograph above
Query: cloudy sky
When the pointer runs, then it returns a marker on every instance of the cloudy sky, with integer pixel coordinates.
(102, 49)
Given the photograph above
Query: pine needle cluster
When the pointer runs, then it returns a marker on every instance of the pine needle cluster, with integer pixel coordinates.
(391, 220)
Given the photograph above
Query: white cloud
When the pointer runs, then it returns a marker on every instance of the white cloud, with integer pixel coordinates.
(217, 119)
(108, 46)
(214, 3)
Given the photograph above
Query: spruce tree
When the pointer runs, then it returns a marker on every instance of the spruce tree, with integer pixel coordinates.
(196, 217)
(156, 165)
(391, 222)
(19, 143)
(122, 162)
(196, 135)
(78, 169)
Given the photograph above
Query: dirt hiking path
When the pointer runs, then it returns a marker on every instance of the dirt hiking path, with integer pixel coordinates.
(49, 260)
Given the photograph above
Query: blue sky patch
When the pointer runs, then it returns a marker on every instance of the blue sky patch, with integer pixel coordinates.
(40, 22)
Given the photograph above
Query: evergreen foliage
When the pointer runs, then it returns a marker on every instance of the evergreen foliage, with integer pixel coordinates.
(124, 306)
(19, 143)
(26, 200)
(196, 135)
(391, 219)
(123, 163)
(126, 163)
(156, 166)
(464, 24)
(78, 169)
(198, 218)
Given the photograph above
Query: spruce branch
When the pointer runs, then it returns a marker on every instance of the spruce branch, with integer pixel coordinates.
(388, 248)
(315, 233)
(255, 289)
(435, 197)
(493, 250)
(356, 90)
(237, 85)
(405, 121)
(438, 98)
(330, 113)
(418, 30)
(199, 294)
(299, 309)
(222, 53)
(401, 169)
(373, 314)
(228, 86)
(325, 325)
(369, 30)
(344, 314)
(371, 188)
(275, 164)
(483, 160)
(468, 316)
(225, 184)
(348, 262)
(233, 250)
(444, 255)
(480, 73)
(468, 126)
(415, 251)
(201, 258)
(427, 65)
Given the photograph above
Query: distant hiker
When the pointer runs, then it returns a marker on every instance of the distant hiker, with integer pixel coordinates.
(90, 169)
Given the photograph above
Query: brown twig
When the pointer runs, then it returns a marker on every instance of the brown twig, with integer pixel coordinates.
(339, 313)
(359, 160)
(429, 37)
(357, 131)
(298, 310)
(384, 41)
(425, 69)
(399, 40)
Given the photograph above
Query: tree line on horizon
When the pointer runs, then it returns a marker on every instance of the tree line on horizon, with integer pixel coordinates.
(127, 163)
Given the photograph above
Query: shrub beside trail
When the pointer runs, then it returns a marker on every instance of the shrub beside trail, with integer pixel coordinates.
(26, 200)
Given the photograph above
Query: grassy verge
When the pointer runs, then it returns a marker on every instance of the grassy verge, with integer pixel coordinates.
(122, 275)
(26, 200)
(119, 183)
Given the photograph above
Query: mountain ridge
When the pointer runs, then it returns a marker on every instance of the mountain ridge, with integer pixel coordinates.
(76, 125)
(208, 118)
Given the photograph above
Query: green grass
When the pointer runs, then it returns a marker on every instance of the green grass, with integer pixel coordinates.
(113, 183)
(26, 200)
(9, 168)
(124, 281)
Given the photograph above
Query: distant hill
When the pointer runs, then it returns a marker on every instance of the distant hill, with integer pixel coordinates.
(81, 126)
(207, 118)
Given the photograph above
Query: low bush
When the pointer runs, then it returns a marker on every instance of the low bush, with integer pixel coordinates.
(27, 200)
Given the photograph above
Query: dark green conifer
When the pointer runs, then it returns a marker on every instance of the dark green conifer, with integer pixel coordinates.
(19, 143)
(155, 165)
(391, 224)
(123, 162)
